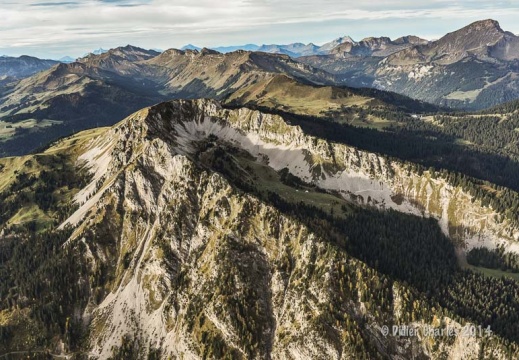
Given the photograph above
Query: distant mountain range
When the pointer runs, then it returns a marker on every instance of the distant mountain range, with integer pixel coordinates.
(224, 49)
(98, 90)
(293, 50)
(341, 44)
(473, 68)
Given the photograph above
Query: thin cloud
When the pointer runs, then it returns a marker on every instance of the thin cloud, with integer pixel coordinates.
(64, 3)
(126, 3)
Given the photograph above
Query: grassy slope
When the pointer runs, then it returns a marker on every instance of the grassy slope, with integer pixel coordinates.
(268, 179)
(359, 107)
(50, 160)
(286, 94)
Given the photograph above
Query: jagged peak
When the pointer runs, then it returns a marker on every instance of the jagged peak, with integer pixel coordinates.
(342, 40)
(474, 40)
(376, 39)
(64, 67)
(129, 48)
(207, 51)
(173, 51)
(411, 39)
(485, 27)
(374, 43)
(159, 119)
(127, 51)
(175, 110)
(486, 24)
(346, 38)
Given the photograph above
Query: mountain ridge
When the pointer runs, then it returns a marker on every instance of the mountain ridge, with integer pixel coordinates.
(23, 66)
(298, 49)
(481, 39)
(71, 96)
(174, 257)
(59, 100)
(468, 69)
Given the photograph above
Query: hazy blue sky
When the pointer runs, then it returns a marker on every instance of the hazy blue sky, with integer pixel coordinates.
(54, 28)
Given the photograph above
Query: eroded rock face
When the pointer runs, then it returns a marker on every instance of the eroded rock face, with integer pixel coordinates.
(193, 268)
(364, 177)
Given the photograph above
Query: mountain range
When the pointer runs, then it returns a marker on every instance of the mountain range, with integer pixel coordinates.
(224, 49)
(282, 202)
(62, 99)
(472, 68)
(294, 50)
(99, 89)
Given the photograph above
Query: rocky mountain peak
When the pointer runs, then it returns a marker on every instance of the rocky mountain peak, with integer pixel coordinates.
(131, 52)
(329, 46)
(196, 263)
(207, 51)
(411, 39)
(62, 69)
(483, 40)
(122, 53)
(376, 40)
(474, 39)
(371, 46)
(488, 24)
(173, 52)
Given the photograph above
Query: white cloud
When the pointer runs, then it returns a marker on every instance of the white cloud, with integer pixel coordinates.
(72, 27)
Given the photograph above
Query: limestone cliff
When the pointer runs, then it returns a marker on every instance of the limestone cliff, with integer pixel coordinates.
(186, 266)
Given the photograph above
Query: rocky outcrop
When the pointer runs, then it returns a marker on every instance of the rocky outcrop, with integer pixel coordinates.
(363, 177)
(194, 268)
